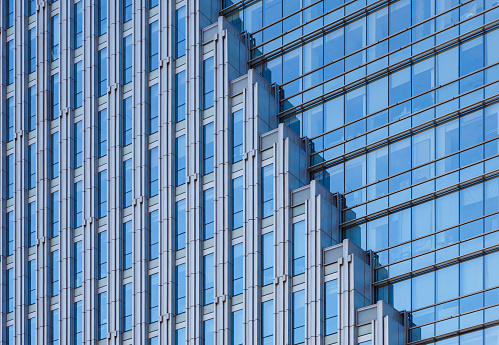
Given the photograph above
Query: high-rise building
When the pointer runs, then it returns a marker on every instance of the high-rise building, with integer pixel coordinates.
(249, 172)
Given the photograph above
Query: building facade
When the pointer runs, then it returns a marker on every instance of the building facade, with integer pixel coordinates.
(249, 172)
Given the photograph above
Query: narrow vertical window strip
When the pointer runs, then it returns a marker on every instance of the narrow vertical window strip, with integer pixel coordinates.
(237, 203)
(102, 316)
(102, 194)
(54, 273)
(102, 17)
(154, 235)
(31, 282)
(78, 323)
(331, 307)
(237, 269)
(54, 327)
(78, 144)
(54, 37)
(208, 148)
(102, 255)
(208, 83)
(102, 133)
(127, 59)
(208, 279)
(208, 214)
(32, 50)
(9, 233)
(9, 191)
(31, 238)
(127, 307)
(180, 96)
(298, 248)
(180, 160)
(32, 108)
(102, 73)
(78, 264)
(180, 290)
(127, 245)
(127, 183)
(153, 172)
(54, 214)
(267, 191)
(180, 32)
(9, 62)
(78, 205)
(78, 85)
(153, 109)
(267, 258)
(180, 224)
(153, 46)
(32, 166)
(9, 290)
(237, 136)
(54, 96)
(153, 297)
(127, 121)
(78, 25)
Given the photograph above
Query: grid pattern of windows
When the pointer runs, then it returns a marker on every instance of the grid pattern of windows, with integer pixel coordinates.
(208, 83)
(153, 108)
(54, 155)
(78, 323)
(208, 214)
(127, 121)
(127, 307)
(237, 269)
(208, 148)
(102, 17)
(180, 289)
(153, 45)
(102, 194)
(208, 278)
(298, 248)
(9, 290)
(127, 59)
(31, 238)
(78, 25)
(31, 166)
(9, 165)
(267, 191)
(268, 322)
(78, 264)
(32, 108)
(102, 316)
(237, 136)
(102, 255)
(54, 37)
(127, 245)
(9, 233)
(78, 205)
(153, 172)
(180, 99)
(78, 84)
(298, 317)
(9, 62)
(102, 133)
(102, 73)
(32, 50)
(153, 297)
(31, 282)
(180, 32)
(180, 149)
(54, 96)
(54, 273)
(180, 224)
(9, 125)
(54, 214)
(237, 203)
(267, 258)
(127, 183)
(54, 327)
(331, 307)
(154, 235)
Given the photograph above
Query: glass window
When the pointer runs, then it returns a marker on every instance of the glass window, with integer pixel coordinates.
(180, 281)
(127, 307)
(180, 224)
(208, 83)
(153, 109)
(102, 194)
(267, 191)
(153, 297)
(9, 233)
(127, 58)
(298, 317)
(78, 25)
(237, 327)
(237, 136)
(237, 269)
(9, 290)
(127, 183)
(208, 148)
(267, 322)
(299, 240)
(153, 235)
(9, 335)
(180, 160)
(78, 84)
(153, 46)
(9, 13)
(102, 133)
(31, 282)
(32, 50)
(102, 17)
(127, 245)
(9, 62)
(208, 213)
(153, 3)
(267, 258)
(78, 264)
(54, 96)
(32, 166)
(208, 278)
(153, 341)
(54, 37)
(180, 336)
(10, 116)
(31, 240)
(32, 108)
(78, 204)
(102, 255)
(9, 176)
(32, 331)
(127, 10)
(180, 32)
(153, 172)
(102, 316)
(54, 327)
(54, 214)
(237, 203)
(78, 144)
(102, 73)
(180, 101)
(331, 307)
(54, 155)
(209, 332)
(471, 55)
